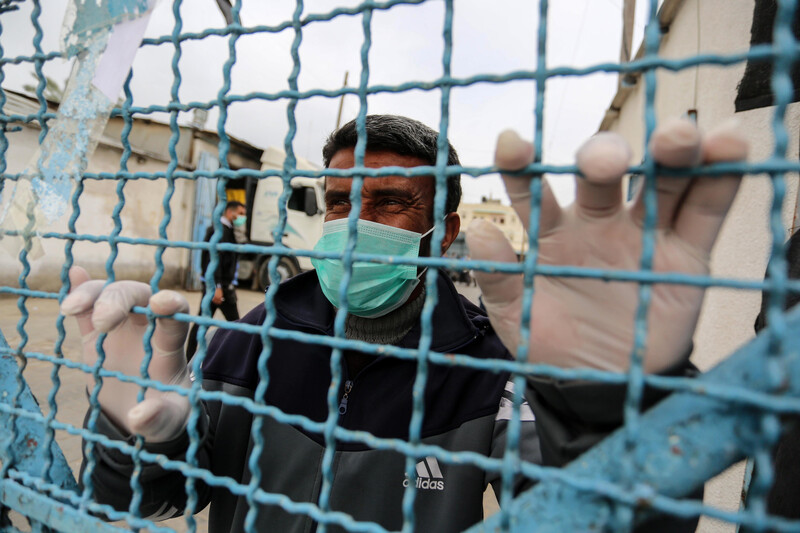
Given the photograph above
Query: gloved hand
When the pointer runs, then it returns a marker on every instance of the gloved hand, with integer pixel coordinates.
(579, 322)
(161, 416)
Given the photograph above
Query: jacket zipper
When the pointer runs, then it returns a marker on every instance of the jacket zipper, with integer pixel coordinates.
(348, 384)
(348, 387)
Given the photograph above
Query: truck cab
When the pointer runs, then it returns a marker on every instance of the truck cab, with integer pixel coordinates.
(305, 211)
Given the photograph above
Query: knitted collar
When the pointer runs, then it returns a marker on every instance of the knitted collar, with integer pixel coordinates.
(387, 329)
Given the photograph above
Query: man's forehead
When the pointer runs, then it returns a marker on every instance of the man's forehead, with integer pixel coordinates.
(336, 183)
(345, 159)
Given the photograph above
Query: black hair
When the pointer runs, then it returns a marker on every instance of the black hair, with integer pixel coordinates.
(233, 204)
(403, 136)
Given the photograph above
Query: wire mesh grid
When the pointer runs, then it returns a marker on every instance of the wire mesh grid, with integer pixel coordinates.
(628, 491)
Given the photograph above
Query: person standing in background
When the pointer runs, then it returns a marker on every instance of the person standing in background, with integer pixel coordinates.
(225, 292)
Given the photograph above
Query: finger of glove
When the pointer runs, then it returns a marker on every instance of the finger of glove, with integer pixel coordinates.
(602, 161)
(709, 198)
(487, 242)
(674, 144)
(114, 304)
(170, 334)
(81, 299)
(500, 292)
(160, 418)
(513, 154)
(77, 276)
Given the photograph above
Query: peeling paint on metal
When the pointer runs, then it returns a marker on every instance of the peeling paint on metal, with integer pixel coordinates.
(80, 121)
(62, 157)
(40, 508)
(21, 444)
(41, 197)
(85, 19)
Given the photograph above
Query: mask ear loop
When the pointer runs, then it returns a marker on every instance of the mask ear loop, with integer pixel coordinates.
(425, 269)
(444, 219)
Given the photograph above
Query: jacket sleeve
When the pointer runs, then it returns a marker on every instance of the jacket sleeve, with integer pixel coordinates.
(224, 429)
(163, 491)
(529, 449)
(573, 416)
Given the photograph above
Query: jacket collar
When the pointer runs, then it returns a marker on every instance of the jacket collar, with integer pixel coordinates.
(301, 301)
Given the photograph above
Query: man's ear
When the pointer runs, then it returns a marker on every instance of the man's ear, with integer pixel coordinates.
(452, 225)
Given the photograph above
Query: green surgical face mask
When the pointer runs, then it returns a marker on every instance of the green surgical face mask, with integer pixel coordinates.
(375, 289)
(240, 220)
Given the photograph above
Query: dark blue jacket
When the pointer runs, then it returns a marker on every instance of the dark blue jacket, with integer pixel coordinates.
(465, 410)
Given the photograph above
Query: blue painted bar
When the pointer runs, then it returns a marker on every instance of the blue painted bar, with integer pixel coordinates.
(657, 457)
(28, 455)
(55, 515)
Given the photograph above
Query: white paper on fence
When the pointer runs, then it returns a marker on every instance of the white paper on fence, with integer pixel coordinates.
(111, 73)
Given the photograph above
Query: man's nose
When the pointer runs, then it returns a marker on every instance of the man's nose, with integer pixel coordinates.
(369, 217)
(368, 214)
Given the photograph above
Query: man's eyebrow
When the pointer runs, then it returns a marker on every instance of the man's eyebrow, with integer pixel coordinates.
(383, 191)
(336, 195)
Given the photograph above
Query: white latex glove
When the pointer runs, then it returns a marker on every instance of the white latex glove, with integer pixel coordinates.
(579, 322)
(161, 416)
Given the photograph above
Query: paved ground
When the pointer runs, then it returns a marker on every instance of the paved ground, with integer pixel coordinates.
(71, 402)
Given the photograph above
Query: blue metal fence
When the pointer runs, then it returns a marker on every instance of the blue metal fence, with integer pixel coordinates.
(726, 415)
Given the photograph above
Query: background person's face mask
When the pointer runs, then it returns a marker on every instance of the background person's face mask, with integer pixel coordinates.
(375, 289)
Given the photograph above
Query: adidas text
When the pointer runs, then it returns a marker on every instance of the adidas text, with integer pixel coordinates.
(430, 484)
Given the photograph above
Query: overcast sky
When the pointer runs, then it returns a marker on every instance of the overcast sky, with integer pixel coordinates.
(490, 37)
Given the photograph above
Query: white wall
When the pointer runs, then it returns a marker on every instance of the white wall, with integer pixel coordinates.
(140, 217)
(741, 252)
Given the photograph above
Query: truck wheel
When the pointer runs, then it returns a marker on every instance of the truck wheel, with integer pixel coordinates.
(286, 268)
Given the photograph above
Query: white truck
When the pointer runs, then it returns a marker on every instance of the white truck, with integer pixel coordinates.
(305, 210)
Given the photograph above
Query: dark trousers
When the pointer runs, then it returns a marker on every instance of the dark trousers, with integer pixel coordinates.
(228, 308)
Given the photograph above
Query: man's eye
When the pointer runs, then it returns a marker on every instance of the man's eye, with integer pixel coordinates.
(392, 202)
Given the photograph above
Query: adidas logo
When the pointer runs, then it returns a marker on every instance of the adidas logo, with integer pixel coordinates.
(429, 475)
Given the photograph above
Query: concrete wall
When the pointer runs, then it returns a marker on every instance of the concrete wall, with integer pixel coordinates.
(726, 322)
(140, 217)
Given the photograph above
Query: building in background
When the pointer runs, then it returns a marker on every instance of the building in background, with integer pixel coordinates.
(712, 95)
(502, 216)
(143, 212)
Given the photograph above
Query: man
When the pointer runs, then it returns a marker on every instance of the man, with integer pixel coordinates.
(575, 322)
(224, 299)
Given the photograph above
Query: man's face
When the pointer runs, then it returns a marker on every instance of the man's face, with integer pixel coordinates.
(231, 214)
(405, 203)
